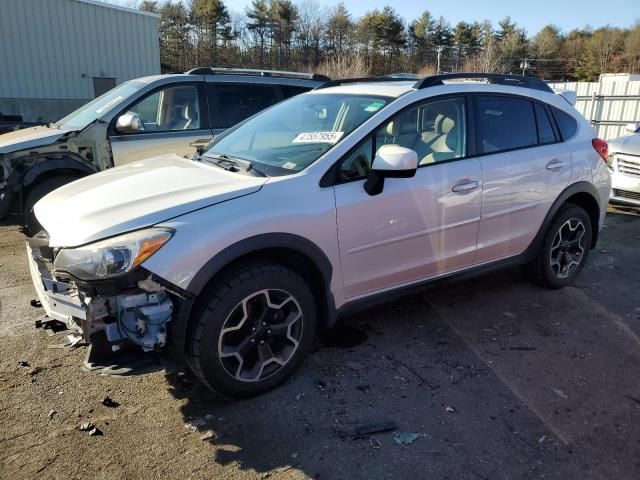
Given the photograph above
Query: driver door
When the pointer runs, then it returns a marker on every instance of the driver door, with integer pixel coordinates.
(173, 119)
(418, 227)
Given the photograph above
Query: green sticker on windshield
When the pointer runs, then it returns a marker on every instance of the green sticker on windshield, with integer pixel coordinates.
(374, 107)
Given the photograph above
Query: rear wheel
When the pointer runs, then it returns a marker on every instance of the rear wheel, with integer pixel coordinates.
(564, 250)
(252, 331)
(41, 189)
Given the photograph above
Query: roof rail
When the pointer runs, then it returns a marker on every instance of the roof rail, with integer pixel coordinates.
(496, 78)
(257, 73)
(346, 81)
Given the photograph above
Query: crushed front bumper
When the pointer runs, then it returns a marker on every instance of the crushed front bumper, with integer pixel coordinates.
(138, 314)
(60, 300)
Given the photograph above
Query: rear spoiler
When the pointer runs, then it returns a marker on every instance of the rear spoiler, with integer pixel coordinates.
(569, 95)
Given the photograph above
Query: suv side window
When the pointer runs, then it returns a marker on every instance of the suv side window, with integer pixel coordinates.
(169, 109)
(435, 129)
(292, 90)
(566, 123)
(232, 103)
(545, 130)
(504, 123)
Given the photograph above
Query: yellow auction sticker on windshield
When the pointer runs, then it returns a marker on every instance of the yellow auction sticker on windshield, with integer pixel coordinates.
(318, 137)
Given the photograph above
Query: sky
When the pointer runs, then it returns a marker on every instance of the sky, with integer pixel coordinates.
(530, 14)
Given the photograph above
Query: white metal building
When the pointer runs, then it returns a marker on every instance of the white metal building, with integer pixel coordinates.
(55, 55)
(609, 104)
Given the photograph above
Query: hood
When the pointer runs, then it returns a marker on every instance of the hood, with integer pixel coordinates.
(136, 195)
(628, 144)
(29, 138)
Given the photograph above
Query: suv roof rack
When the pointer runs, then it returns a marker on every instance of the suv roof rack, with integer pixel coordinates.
(347, 81)
(496, 78)
(256, 73)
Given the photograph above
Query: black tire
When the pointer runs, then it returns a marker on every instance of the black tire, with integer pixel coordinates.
(218, 306)
(41, 188)
(542, 269)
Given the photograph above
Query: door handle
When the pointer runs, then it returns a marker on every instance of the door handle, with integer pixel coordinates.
(465, 186)
(555, 164)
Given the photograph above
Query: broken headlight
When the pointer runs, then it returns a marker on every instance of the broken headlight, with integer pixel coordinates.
(112, 257)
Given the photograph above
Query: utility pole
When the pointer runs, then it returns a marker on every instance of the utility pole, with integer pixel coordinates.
(439, 50)
(524, 64)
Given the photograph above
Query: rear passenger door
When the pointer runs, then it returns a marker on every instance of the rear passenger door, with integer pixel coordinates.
(525, 167)
(231, 103)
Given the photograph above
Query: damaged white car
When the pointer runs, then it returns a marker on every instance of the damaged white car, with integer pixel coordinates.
(325, 203)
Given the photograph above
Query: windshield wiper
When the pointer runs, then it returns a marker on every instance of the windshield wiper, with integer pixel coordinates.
(232, 164)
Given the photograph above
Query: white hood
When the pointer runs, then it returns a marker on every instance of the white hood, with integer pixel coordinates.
(136, 195)
(629, 144)
(29, 138)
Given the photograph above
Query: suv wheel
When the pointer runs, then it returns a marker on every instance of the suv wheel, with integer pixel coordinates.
(252, 331)
(37, 192)
(564, 250)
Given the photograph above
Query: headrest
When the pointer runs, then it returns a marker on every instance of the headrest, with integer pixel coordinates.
(444, 124)
(393, 129)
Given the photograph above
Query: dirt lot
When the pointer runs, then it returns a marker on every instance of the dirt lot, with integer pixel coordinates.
(500, 379)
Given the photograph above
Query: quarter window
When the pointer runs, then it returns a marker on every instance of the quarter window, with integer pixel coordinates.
(566, 123)
(169, 109)
(232, 104)
(505, 123)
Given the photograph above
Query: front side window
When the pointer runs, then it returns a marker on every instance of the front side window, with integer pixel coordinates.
(169, 109)
(505, 123)
(435, 129)
(234, 103)
(293, 134)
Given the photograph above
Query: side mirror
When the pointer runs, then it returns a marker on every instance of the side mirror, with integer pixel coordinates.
(632, 127)
(128, 123)
(391, 161)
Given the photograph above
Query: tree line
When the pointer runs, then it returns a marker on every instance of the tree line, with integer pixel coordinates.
(304, 36)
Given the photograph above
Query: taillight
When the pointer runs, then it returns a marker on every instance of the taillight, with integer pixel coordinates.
(601, 147)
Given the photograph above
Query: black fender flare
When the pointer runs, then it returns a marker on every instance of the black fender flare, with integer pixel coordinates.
(260, 242)
(235, 252)
(51, 164)
(567, 193)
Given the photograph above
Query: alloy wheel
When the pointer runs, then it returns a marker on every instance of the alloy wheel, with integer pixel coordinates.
(567, 249)
(260, 335)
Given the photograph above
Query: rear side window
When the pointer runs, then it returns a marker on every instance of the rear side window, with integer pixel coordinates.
(233, 103)
(292, 90)
(566, 123)
(505, 123)
(545, 130)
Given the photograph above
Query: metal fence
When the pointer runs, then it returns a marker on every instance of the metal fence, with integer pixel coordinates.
(608, 105)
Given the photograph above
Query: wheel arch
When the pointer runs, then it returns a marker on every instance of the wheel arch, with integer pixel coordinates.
(582, 194)
(65, 165)
(292, 251)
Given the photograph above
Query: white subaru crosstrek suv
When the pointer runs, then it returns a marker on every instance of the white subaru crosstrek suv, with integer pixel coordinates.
(325, 203)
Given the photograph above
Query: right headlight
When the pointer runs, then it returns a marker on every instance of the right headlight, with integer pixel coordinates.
(112, 257)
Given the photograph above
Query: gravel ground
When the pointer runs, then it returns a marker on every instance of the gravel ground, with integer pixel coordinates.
(498, 378)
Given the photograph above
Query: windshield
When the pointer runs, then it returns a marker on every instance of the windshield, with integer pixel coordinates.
(293, 134)
(93, 110)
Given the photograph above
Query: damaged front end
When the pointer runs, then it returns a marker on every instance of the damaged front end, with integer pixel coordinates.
(130, 312)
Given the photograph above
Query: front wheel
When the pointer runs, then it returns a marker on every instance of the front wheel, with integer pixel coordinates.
(41, 189)
(564, 250)
(252, 330)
